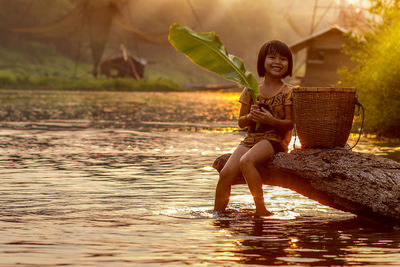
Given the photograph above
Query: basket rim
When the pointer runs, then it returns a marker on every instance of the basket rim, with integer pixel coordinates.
(324, 89)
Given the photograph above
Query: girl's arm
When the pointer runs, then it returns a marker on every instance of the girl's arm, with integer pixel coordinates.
(265, 117)
(245, 118)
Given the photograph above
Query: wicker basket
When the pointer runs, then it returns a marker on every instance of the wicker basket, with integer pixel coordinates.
(323, 116)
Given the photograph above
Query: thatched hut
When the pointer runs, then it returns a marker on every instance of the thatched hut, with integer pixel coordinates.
(323, 56)
(123, 66)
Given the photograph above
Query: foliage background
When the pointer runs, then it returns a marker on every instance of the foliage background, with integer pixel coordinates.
(376, 73)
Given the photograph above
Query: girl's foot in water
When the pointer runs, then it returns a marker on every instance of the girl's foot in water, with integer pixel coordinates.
(260, 207)
(262, 213)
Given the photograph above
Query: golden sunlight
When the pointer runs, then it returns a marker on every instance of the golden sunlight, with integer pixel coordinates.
(294, 143)
(338, 2)
(293, 242)
(230, 2)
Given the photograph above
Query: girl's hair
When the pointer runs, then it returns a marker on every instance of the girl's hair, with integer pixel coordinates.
(274, 47)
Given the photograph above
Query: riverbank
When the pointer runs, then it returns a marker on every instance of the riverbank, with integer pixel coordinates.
(37, 83)
(28, 65)
(8, 81)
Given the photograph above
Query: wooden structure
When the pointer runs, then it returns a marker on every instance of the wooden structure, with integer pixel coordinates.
(323, 56)
(120, 66)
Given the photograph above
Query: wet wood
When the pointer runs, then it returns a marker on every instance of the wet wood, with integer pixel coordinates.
(363, 184)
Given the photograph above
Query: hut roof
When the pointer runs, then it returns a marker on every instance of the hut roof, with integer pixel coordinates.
(296, 47)
(140, 60)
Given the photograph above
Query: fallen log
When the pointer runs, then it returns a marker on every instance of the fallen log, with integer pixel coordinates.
(363, 184)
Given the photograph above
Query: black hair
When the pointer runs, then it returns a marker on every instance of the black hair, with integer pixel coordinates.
(274, 47)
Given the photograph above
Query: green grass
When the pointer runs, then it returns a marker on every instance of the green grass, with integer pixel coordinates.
(10, 81)
(29, 58)
(33, 65)
(27, 64)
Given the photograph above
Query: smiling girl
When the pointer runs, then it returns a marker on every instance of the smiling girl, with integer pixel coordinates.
(273, 113)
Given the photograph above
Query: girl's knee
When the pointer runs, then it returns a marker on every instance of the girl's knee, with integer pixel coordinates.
(226, 176)
(245, 162)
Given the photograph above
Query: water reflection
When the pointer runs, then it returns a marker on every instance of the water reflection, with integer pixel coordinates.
(119, 109)
(382, 147)
(308, 241)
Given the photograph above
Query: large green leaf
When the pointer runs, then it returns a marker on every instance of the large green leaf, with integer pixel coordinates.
(207, 51)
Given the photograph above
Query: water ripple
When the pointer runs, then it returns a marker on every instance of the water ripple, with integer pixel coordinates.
(137, 196)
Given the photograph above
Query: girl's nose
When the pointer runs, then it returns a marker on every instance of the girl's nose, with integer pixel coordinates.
(282, 60)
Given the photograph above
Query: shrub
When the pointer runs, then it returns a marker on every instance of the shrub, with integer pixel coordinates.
(376, 74)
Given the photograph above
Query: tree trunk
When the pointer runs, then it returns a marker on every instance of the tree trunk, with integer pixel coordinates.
(363, 184)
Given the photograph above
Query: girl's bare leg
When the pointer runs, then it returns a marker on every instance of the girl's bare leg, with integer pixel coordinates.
(226, 177)
(259, 153)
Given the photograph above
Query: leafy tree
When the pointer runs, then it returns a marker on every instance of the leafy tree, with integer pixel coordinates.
(376, 73)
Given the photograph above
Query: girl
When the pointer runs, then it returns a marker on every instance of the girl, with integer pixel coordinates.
(273, 113)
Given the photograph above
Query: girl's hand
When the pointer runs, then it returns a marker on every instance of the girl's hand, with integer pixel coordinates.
(261, 115)
(250, 115)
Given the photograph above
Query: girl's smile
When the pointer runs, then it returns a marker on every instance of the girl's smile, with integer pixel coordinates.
(276, 65)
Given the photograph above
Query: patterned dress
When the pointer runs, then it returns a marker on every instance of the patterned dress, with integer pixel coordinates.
(276, 105)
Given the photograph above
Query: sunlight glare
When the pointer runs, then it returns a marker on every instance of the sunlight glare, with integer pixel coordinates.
(208, 168)
(293, 242)
(349, 2)
(243, 198)
(283, 215)
(229, 151)
(294, 140)
(352, 2)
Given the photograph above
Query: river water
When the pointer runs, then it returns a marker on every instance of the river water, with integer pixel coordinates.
(125, 179)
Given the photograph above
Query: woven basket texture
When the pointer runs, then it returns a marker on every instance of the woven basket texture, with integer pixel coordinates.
(323, 116)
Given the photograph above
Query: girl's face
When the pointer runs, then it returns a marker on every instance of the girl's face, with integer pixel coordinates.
(276, 65)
